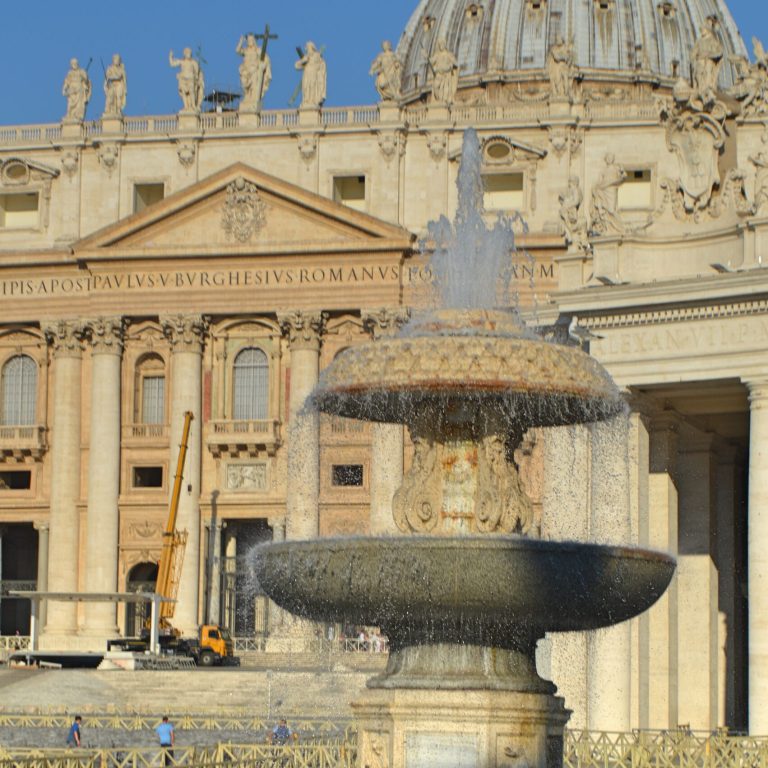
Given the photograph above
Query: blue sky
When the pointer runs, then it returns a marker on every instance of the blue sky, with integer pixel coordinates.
(40, 36)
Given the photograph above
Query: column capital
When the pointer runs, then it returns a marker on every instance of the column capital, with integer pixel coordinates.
(758, 392)
(65, 336)
(41, 525)
(185, 333)
(384, 322)
(304, 328)
(107, 334)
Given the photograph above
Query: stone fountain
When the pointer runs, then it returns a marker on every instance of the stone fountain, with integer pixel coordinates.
(466, 592)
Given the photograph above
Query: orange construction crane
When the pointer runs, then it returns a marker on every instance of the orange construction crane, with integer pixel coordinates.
(174, 542)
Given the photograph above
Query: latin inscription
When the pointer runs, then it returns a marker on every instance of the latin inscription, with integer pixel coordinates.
(94, 283)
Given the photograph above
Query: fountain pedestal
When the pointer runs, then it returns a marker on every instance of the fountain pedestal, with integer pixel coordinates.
(421, 728)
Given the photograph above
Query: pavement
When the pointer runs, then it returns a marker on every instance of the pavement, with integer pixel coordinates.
(252, 693)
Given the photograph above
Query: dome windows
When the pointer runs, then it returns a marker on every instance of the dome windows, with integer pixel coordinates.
(474, 12)
(428, 24)
(667, 10)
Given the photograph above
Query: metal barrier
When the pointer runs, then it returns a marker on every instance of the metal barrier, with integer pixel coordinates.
(331, 755)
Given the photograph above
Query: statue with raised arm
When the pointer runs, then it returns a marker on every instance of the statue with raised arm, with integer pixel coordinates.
(445, 73)
(115, 87)
(255, 73)
(313, 78)
(190, 78)
(560, 69)
(605, 198)
(77, 90)
(574, 223)
(387, 69)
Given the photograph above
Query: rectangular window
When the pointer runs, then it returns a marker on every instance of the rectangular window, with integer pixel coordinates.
(20, 210)
(503, 192)
(145, 195)
(635, 192)
(15, 481)
(147, 477)
(347, 475)
(153, 400)
(350, 190)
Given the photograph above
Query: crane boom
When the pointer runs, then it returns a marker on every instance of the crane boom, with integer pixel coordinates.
(174, 542)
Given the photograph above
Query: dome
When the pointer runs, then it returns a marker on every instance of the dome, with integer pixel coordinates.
(498, 40)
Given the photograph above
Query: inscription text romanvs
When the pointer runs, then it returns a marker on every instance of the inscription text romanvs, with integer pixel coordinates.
(195, 279)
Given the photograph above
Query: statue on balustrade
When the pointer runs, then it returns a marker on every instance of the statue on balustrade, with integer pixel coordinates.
(314, 77)
(751, 87)
(707, 56)
(77, 90)
(115, 87)
(560, 69)
(387, 68)
(574, 223)
(190, 79)
(445, 73)
(255, 73)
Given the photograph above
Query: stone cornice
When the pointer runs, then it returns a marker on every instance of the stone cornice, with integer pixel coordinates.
(384, 322)
(107, 334)
(303, 328)
(185, 333)
(66, 337)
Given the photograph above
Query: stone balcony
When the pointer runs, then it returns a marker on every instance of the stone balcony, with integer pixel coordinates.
(365, 117)
(145, 434)
(243, 438)
(17, 443)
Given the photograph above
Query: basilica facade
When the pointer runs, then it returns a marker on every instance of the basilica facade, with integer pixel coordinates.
(216, 262)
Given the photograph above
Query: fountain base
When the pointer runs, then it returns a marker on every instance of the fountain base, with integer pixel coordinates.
(450, 666)
(420, 728)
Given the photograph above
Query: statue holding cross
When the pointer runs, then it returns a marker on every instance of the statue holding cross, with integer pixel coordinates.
(255, 70)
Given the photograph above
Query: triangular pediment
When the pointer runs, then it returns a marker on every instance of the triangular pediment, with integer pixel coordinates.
(242, 210)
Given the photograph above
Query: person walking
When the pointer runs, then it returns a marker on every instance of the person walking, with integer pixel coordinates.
(166, 735)
(74, 737)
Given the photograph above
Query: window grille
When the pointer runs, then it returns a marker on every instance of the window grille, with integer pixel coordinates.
(19, 391)
(251, 385)
(153, 400)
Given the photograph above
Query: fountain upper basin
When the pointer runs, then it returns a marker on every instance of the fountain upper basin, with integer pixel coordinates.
(478, 360)
(491, 591)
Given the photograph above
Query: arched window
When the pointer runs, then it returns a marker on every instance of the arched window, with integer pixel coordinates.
(19, 391)
(150, 390)
(251, 385)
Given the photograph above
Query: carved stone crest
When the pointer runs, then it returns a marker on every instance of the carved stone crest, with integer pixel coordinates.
(244, 211)
(307, 147)
(69, 162)
(186, 153)
(108, 155)
(696, 139)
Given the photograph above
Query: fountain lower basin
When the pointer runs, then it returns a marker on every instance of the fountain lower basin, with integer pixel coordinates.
(502, 592)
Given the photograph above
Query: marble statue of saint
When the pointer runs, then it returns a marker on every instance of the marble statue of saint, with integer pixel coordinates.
(314, 77)
(255, 73)
(751, 87)
(560, 68)
(77, 90)
(574, 224)
(445, 71)
(387, 69)
(605, 195)
(707, 55)
(115, 87)
(190, 78)
(760, 161)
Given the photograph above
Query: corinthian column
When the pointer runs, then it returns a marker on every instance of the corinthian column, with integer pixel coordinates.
(66, 340)
(387, 439)
(757, 558)
(102, 520)
(42, 529)
(303, 330)
(186, 334)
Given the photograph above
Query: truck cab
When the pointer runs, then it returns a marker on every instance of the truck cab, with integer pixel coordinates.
(216, 645)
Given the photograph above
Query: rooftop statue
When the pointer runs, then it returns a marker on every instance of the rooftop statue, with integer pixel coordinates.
(314, 77)
(752, 86)
(387, 68)
(560, 68)
(445, 72)
(191, 82)
(707, 55)
(115, 87)
(77, 89)
(255, 73)
(574, 223)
